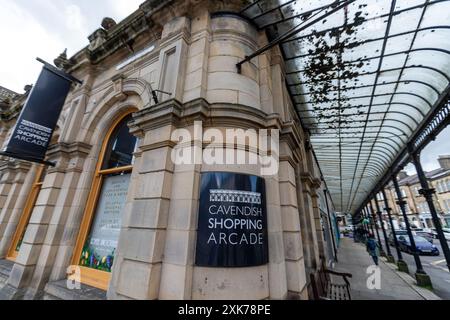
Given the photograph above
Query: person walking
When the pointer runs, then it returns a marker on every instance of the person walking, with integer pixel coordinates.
(372, 248)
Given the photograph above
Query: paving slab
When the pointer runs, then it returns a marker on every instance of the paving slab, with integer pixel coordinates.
(393, 284)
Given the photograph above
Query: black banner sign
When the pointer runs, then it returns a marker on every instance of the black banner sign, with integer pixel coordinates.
(34, 128)
(232, 222)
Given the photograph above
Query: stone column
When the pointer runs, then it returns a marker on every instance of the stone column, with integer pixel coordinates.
(9, 225)
(6, 180)
(307, 242)
(310, 220)
(3, 133)
(138, 263)
(9, 195)
(70, 159)
(179, 251)
(318, 222)
(196, 80)
(278, 285)
(293, 245)
(277, 81)
(33, 242)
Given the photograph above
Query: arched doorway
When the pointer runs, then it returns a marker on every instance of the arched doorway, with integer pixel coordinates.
(99, 232)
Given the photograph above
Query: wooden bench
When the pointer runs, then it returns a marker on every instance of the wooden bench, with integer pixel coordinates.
(324, 289)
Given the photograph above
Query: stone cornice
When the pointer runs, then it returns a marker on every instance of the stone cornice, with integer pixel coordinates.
(308, 179)
(218, 114)
(104, 43)
(155, 116)
(184, 34)
(15, 165)
(14, 108)
(69, 150)
(293, 137)
(148, 21)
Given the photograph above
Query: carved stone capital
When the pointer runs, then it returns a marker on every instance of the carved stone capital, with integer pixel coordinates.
(118, 80)
(63, 153)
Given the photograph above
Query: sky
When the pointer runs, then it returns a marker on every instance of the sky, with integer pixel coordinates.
(44, 28)
(429, 155)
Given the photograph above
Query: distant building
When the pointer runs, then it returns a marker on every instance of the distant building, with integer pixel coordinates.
(417, 208)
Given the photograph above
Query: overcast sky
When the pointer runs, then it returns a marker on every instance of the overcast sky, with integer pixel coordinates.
(441, 146)
(44, 28)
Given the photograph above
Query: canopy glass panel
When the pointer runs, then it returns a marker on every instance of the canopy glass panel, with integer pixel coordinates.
(363, 77)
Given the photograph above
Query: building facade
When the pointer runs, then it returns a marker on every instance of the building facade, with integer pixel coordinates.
(116, 213)
(417, 209)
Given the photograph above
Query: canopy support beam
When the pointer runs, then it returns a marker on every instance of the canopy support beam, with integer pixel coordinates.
(290, 33)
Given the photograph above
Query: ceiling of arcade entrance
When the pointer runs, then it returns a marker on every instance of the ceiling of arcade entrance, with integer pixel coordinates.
(364, 76)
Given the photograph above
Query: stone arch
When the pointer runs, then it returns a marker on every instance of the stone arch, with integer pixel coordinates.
(133, 93)
(131, 86)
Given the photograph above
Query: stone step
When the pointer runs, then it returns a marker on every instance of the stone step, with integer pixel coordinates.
(5, 270)
(58, 290)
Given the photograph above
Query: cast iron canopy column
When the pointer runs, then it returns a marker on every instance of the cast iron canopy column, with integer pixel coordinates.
(428, 193)
(421, 276)
(366, 226)
(374, 218)
(390, 257)
(402, 266)
(369, 217)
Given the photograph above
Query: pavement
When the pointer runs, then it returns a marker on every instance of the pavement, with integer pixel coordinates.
(391, 284)
(434, 266)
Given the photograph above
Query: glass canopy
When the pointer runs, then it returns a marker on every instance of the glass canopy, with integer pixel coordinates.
(363, 76)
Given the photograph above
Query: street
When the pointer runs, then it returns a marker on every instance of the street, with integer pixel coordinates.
(434, 266)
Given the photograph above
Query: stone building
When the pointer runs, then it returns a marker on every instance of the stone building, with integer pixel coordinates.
(440, 180)
(112, 134)
(417, 208)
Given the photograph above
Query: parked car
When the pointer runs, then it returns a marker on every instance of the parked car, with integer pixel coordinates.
(349, 228)
(346, 229)
(446, 233)
(398, 233)
(425, 234)
(423, 246)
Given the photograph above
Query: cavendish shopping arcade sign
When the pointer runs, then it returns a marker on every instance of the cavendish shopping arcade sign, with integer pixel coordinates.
(232, 227)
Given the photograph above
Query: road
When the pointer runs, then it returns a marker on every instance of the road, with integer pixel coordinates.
(434, 266)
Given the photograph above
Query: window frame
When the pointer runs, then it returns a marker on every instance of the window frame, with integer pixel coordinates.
(92, 277)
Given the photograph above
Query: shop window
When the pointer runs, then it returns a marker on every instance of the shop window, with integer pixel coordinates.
(99, 233)
(26, 214)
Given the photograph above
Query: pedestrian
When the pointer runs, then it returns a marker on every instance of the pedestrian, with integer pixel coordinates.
(372, 248)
